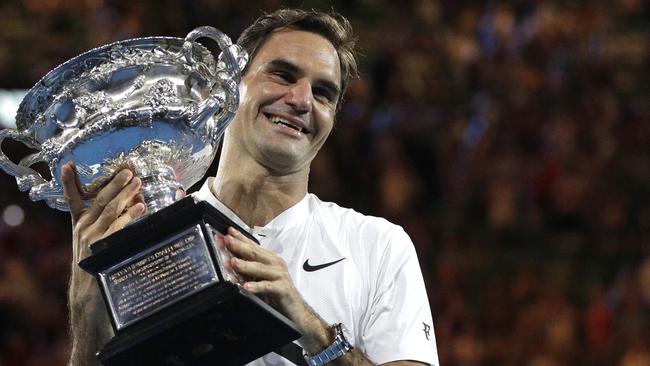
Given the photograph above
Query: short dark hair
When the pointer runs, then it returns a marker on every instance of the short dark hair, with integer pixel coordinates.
(333, 26)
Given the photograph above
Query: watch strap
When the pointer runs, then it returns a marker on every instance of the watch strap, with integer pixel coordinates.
(338, 348)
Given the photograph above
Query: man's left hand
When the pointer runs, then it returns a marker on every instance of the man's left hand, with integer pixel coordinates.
(267, 276)
(265, 273)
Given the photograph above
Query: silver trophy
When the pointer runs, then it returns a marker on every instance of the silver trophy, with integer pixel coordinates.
(159, 107)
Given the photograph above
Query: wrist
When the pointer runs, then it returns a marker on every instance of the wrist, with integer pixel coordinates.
(316, 334)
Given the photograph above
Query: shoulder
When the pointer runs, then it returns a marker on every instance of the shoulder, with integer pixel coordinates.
(335, 213)
(361, 228)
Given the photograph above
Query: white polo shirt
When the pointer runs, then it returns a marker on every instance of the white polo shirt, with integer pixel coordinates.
(358, 270)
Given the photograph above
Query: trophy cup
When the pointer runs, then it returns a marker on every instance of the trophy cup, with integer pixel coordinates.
(159, 106)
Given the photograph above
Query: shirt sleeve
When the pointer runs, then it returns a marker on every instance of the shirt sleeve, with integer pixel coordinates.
(399, 325)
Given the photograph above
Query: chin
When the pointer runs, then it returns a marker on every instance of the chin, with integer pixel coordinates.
(283, 162)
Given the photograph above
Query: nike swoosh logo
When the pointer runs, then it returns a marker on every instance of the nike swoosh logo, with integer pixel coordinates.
(309, 268)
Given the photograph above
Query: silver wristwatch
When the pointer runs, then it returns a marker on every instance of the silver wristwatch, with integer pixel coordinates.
(338, 348)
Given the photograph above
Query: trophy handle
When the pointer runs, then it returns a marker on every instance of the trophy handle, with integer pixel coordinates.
(29, 179)
(234, 57)
(25, 176)
(225, 98)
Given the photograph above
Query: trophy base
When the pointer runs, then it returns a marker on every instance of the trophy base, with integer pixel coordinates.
(223, 325)
(169, 299)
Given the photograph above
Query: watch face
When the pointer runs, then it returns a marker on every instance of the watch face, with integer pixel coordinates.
(343, 331)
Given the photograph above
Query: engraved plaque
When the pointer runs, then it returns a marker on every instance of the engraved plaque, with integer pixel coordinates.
(158, 277)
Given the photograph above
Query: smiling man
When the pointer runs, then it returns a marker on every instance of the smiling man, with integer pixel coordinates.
(351, 283)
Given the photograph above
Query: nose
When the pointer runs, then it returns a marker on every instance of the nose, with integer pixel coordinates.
(300, 96)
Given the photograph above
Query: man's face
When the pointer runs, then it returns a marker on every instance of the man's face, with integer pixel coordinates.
(288, 100)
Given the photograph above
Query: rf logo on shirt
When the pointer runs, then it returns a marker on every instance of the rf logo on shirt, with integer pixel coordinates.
(427, 330)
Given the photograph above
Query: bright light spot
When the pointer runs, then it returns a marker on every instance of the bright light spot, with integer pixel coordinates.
(9, 101)
(13, 215)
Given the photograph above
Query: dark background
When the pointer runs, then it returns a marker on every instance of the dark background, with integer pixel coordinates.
(510, 139)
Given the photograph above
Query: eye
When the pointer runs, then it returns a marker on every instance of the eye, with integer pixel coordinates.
(282, 76)
(323, 94)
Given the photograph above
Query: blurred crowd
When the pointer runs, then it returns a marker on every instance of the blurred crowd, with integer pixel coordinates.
(510, 139)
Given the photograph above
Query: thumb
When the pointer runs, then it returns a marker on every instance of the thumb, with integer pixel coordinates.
(71, 190)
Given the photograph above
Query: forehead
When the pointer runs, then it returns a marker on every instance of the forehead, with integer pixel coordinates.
(309, 51)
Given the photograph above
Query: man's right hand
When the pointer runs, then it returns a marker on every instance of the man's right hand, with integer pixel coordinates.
(116, 204)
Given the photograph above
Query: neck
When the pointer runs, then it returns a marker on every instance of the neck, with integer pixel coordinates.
(255, 193)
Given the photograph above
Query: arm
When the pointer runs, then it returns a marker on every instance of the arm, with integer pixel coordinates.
(90, 326)
(273, 283)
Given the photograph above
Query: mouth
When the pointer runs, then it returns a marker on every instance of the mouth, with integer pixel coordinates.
(290, 123)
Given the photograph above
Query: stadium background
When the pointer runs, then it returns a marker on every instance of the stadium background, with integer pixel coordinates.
(510, 138)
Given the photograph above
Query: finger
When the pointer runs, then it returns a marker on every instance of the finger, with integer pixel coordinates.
(139, 198)
(236, 233)
(114, 209)
(244, 248)
(131, 214)
(76, 177)
(219, 242)
(71, 190)
(108, 193)
(261, 287)
(255, 269)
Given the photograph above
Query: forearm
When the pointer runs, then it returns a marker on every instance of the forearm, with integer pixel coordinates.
(89, 323)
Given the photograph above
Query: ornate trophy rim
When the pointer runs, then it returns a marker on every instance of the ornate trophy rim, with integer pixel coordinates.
(40, 96)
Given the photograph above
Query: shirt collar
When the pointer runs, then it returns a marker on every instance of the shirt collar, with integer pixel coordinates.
(294, 215)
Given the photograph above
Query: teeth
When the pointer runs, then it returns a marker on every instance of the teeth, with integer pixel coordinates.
(281, 121)
(276, 119)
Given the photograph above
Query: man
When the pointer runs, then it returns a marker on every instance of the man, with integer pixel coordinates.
(318, 264)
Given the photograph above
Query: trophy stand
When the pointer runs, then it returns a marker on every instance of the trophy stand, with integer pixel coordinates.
(171, 301)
